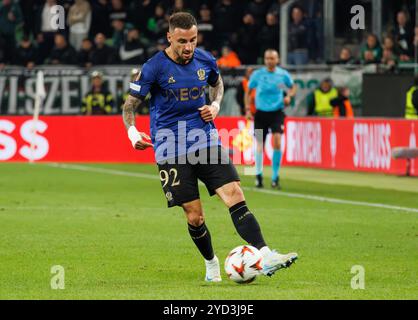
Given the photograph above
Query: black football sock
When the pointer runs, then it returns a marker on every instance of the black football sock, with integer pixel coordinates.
(247, 225)
(201, 237)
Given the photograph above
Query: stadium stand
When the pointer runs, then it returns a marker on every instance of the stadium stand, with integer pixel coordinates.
(106, 34)
(233, 22)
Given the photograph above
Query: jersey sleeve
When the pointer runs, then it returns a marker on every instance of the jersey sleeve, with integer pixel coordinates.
(253, 83)
(288, 80)
(141, 87)
(214, 72)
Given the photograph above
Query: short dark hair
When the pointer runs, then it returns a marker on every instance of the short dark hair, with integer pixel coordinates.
(182, 20)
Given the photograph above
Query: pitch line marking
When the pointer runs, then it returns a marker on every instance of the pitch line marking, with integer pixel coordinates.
(270, 192)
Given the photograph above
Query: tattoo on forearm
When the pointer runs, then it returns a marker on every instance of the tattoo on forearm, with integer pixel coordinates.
(216, 93)
(129, 108)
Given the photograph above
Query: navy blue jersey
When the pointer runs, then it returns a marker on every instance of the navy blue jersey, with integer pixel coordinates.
(177, 92)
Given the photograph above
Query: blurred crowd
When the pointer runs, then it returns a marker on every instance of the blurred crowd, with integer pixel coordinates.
(100, 32)
(396, 46)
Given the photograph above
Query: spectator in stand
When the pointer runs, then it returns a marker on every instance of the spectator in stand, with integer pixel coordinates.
(29, 7)
(201, 42)
(117, 11)
(62, 53)
(411, 108)
(179, 6)
(269, 37)
(158, 24)
(319, 102)
(342, 104)
(119, 31)
(298, 38)
(65, 3)
(229, 59)
(275, 7)
(227, 16)
(404, 35)
(85, 55)
(248, 52)
(205, 26)
(258, 9)
(99, 101)
(100, 22)
(314, 17)
(389, 44)
(133, 50)
(45, 32)
(10, 18)
(160, 46)
(26, 54)
(79, 20)
(346, 57)
(371, 52)
(103, 54)
(390, 58)
(138, 13)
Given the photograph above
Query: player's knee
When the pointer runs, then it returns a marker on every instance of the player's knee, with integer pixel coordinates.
(260, 146)
(235, 194)
(195, 221)
(277, 142)
(195, 217)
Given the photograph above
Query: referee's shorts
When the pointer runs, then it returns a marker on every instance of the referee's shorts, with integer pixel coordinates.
(266, 121)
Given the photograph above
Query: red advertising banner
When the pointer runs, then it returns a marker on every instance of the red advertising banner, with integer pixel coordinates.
(358, 144)
(80, 138)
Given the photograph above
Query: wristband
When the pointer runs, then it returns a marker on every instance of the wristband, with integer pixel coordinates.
(134, 135)
(216, 105)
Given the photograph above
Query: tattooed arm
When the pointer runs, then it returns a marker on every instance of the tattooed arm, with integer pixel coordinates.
(129, 108)
(216, 93)
(136, 137)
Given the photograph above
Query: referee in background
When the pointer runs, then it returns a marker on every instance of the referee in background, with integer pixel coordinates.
(270, 83)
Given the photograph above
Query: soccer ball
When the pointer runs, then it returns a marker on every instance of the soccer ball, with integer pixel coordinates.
(244, 264)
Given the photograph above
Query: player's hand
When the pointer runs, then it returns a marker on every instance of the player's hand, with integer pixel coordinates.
(249, 115)
(138, 139)
(142, 144)
(208, 113)
(287, 101)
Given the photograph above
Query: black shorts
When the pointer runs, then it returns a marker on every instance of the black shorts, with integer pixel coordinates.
(180, 179)
(268, 120)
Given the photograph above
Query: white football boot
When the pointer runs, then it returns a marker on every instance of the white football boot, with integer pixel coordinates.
(213, 272)
(274, 261)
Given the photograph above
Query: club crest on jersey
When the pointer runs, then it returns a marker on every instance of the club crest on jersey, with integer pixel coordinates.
(201, 74)
(171, 79)
(169, 196)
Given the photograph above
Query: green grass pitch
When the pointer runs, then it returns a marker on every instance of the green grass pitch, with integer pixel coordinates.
(109, 227)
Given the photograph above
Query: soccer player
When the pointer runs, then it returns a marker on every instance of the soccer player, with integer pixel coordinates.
(270, 83)
(176, 79)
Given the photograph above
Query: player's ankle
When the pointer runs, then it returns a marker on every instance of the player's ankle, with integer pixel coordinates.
(265, 251)
(213, 260)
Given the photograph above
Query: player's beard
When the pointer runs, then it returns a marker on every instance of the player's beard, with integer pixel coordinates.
(181, 59)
